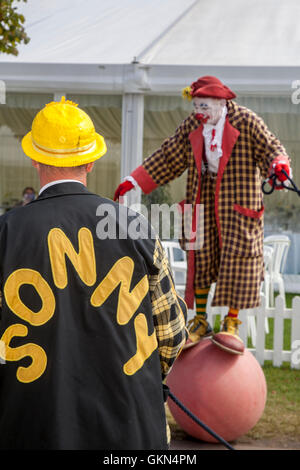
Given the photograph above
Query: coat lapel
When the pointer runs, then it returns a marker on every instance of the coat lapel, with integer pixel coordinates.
(230, 136)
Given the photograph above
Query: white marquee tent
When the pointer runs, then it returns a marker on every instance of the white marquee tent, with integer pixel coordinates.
(126, 61)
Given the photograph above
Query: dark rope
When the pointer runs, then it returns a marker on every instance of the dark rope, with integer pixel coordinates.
(280, 185)
(197, 420)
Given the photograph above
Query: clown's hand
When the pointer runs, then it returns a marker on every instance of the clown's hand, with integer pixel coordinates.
(124, 187)
(278, 164)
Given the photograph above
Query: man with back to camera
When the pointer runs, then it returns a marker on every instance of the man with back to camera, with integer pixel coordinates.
(89, 327)
(226, 149)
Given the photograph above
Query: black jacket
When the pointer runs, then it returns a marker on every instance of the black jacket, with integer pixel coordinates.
(64, 384)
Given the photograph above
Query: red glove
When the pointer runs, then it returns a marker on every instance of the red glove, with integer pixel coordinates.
(278, 164)
(281, 165)
(122, 189)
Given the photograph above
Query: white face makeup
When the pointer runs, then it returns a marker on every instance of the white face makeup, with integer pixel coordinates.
(208, 110)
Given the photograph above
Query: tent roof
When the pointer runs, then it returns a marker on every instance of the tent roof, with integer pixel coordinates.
(232, 33)
(173, 32)
(94, 31)
(155, 46)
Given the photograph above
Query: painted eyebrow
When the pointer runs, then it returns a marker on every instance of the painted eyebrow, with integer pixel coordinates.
(201, 104)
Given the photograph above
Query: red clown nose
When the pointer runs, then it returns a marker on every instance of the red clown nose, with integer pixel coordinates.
(200, 117)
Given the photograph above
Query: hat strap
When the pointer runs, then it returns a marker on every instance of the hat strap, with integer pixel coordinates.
(63, 152)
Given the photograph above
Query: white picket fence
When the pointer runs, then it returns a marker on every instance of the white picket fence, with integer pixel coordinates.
(255, 324)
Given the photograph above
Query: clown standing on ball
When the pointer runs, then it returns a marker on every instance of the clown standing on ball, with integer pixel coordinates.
(226, 149)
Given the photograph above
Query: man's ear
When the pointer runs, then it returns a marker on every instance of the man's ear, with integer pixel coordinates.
(35, 164)
(89, 167)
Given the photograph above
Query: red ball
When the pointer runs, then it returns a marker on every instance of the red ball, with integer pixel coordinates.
(227, 392)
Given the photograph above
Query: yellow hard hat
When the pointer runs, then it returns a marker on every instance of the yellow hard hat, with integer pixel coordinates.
(63, 135)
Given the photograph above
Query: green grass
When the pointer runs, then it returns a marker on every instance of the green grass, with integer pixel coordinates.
(269, 337)
(286, 328)
(281, 418)
(289, 298)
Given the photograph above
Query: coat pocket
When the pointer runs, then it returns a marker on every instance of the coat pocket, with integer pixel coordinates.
(249, 212)
(246, 238)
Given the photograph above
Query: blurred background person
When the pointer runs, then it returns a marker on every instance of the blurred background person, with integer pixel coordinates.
(28, 195)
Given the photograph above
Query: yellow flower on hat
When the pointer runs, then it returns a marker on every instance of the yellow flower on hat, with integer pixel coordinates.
(63, 100)
(63, 135)
(186, 93)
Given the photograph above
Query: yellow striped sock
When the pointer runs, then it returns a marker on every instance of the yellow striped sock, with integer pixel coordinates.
(201, 300)
(233, 313)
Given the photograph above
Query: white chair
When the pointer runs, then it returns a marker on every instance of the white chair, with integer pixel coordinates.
(280, 244)
(178, 264)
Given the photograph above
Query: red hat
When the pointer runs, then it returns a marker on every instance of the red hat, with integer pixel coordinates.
(211, 87)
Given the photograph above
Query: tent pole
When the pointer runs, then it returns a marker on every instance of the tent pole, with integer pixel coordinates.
(132, 139)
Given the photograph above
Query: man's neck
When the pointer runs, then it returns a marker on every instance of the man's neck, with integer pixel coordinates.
(53, 182)
(46, 179)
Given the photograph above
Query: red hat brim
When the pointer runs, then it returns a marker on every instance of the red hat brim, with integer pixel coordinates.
(214, 91)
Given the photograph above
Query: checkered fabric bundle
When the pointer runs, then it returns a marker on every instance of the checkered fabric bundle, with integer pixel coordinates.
(169, 311)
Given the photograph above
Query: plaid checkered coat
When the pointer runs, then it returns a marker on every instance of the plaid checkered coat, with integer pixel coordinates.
(248, 151)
